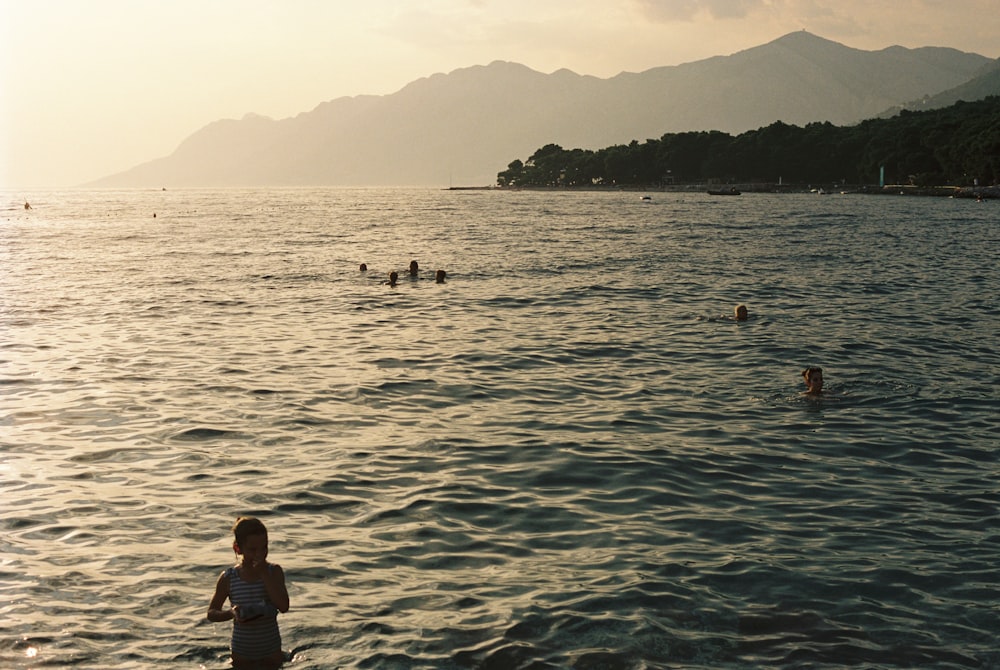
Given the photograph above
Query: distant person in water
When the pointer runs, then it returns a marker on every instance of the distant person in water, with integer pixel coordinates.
(363, 268)
(439, 276)
(814, 381)
(27, 205)
(414, 268)
(393, 278)
(741, 313)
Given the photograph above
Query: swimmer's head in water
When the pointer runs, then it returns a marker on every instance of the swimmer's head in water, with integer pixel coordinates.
(414, 268)
(439, 276)
(814, 380)
(741, 312)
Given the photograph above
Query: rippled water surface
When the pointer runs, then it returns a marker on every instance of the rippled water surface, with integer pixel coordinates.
(568, 455)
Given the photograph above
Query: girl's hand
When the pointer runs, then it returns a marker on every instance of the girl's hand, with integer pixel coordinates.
(221, 615)
(256, 568)
(238, 615)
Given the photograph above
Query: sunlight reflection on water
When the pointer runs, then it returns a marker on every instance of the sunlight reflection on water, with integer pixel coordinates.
(567, 455)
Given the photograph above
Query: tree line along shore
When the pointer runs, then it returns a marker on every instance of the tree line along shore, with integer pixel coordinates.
(949, 151)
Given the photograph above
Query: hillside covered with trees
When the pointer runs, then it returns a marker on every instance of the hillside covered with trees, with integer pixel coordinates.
(957, 145)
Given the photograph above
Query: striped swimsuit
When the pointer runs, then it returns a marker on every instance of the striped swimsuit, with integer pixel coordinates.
(260, 637)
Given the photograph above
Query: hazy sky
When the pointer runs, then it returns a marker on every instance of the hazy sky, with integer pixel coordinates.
(93, 87)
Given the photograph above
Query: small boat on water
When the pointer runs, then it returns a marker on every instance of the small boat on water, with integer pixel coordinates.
(724, 191)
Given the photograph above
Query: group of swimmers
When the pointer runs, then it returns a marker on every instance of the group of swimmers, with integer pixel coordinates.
(812, 376)
(439, 275)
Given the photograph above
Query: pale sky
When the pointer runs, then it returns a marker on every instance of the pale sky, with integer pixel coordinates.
(93, 87)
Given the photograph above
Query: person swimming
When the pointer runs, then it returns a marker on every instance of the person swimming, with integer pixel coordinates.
(393, 278)
(741, 313)
(414, 268)
(363, 267)
(814, 381)
(439, 276)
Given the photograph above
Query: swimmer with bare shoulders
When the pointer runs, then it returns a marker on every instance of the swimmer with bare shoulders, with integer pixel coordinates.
(814, 381)
(393, 278)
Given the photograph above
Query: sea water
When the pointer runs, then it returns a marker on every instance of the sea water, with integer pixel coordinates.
(567, 455)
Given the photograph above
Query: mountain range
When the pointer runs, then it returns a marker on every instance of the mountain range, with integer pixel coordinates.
(463, 127)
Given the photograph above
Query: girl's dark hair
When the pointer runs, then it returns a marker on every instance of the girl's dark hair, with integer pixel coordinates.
(246, 526)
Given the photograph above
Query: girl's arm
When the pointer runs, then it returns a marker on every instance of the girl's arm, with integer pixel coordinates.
(215, 611)
(274, 584)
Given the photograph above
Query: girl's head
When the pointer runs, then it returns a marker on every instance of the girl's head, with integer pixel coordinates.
(251, 535)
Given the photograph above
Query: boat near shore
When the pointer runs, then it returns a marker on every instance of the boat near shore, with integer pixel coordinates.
(724, 191)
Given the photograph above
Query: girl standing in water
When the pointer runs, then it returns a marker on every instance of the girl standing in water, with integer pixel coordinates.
(256, 592)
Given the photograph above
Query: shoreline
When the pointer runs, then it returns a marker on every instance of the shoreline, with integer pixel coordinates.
(973, 192)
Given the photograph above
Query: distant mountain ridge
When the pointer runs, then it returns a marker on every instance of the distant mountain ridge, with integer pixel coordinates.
(463, 127)
(979, 87)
